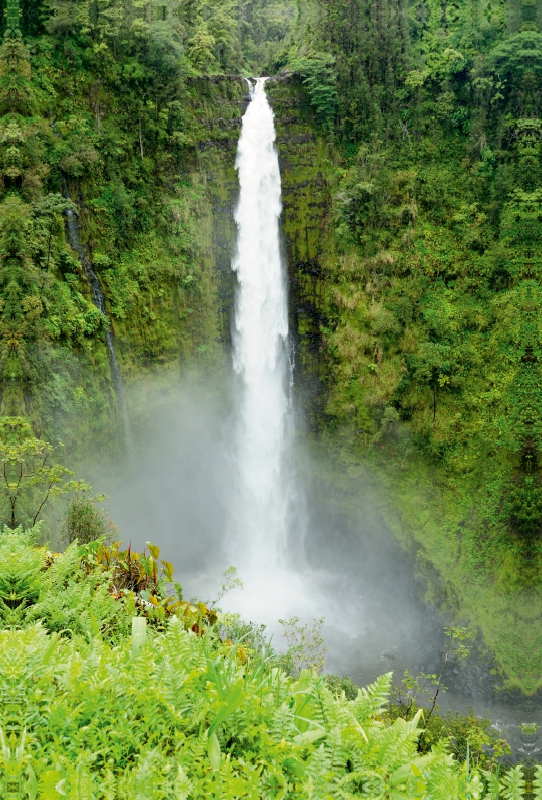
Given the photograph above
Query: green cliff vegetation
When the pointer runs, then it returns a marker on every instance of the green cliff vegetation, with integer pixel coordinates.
(409, 138)
(428, 290)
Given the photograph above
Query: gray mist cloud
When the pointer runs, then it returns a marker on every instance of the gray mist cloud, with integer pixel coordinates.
(178, 493)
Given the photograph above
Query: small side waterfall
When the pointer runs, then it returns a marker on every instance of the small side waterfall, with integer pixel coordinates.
(259, 541)
(99, 301)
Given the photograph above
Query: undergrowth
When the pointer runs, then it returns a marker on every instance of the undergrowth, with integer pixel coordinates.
(178, 710)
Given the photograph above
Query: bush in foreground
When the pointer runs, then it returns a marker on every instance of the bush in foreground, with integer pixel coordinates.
(182, 718)
(172, 711)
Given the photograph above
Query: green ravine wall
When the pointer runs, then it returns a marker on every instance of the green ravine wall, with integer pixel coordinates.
(153, 182)
(168, 333)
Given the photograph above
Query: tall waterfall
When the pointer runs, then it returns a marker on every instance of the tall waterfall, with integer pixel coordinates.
(260, 349)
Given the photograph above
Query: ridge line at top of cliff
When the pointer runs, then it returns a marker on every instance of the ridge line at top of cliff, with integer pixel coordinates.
(217, 78)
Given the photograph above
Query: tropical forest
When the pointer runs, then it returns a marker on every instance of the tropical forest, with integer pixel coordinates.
(270, 399)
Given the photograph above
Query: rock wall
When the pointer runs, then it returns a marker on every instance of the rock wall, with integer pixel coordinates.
(170, 325)
(218, 105)
(305, 162)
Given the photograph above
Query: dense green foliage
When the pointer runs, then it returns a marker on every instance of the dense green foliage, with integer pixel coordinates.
(89, 710)
(428, 292)
(423, 284)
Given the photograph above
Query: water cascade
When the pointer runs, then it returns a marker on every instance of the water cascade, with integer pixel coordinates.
(259, 539)
(99, 301)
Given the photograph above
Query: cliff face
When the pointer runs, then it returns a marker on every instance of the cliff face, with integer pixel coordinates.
(215, 108)
(306, 168)
(169, 292)
(208, 187)
(179, 313)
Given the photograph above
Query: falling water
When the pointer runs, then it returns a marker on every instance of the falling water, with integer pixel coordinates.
(260, 536)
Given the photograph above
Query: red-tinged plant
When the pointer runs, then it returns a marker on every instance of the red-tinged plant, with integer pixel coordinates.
(143, 582)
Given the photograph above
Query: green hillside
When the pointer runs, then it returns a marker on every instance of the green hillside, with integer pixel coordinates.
(409, 137)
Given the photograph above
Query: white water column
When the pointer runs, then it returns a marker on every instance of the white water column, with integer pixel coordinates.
(260, 514)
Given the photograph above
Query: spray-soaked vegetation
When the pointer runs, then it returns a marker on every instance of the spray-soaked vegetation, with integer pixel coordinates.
(172, 708)
(422, 295)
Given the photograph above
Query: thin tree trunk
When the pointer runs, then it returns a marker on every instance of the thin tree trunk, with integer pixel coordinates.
(49, 245)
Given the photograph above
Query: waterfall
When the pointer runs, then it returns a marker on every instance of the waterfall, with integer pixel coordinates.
(99, 301)
(260, 351)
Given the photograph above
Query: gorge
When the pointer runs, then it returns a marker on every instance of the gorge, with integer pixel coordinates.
(359, 237)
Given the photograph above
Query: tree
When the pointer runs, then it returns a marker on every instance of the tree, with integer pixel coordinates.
(319, 78)
(86, 522)
(201, 49)
(30, 478)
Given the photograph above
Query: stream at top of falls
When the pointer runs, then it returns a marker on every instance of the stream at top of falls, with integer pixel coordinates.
(228, 480)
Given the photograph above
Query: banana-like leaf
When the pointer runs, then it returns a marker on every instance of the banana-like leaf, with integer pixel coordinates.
(214, 752)
(233, 700)
(309, 737)
(414, 767)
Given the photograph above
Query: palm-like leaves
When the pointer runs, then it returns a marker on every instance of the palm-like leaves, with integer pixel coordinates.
(182, 719)
(184, 715)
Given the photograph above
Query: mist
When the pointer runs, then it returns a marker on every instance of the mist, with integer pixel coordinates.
(343, 563)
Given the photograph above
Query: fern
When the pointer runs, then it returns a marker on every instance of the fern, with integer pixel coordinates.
(184, 717)
(513, 784)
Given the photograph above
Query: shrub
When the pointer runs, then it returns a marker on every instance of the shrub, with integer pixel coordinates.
(183, 718)
(174, 711)
(87, 522)
(339, 684)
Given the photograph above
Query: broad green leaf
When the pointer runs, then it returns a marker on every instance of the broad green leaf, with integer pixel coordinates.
(154, 551)
(309, 737)
(233, 700)
(214, 752)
